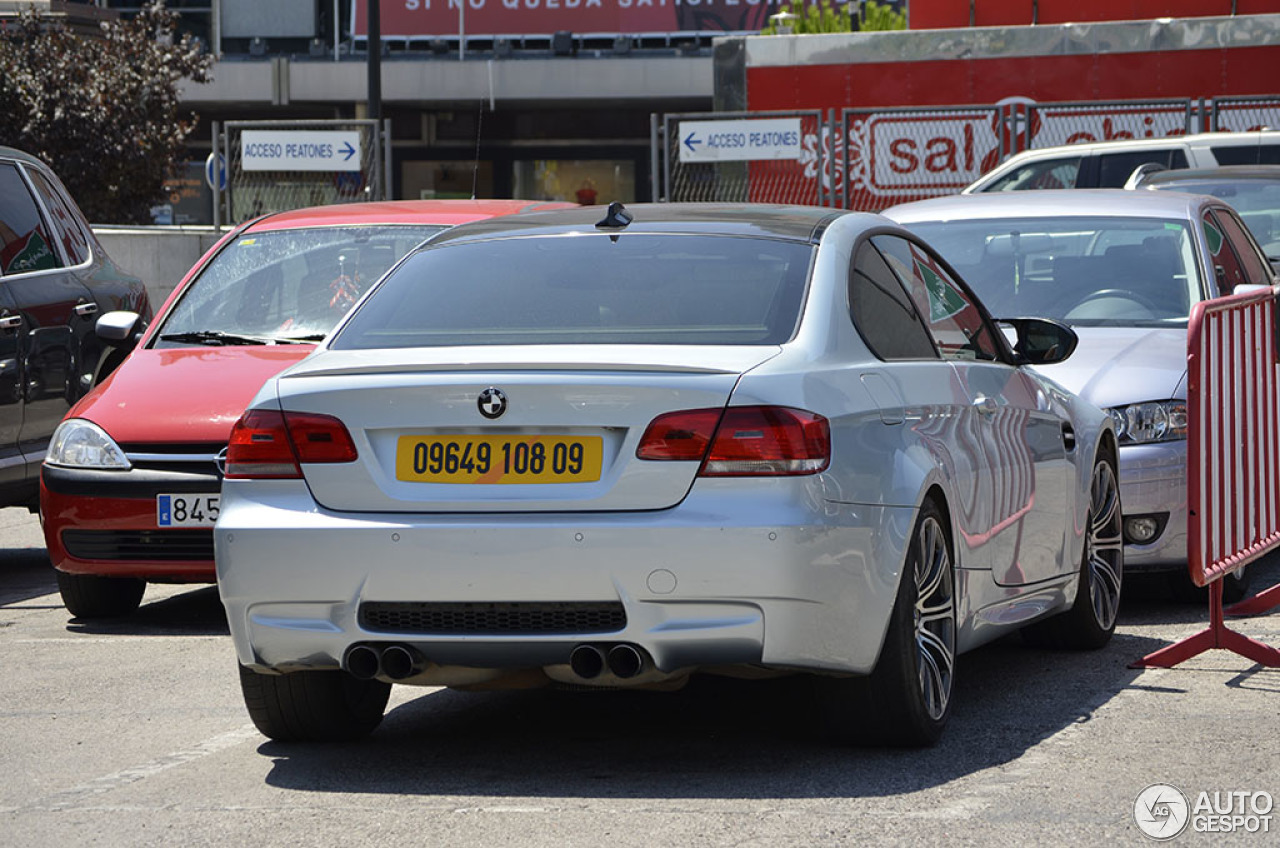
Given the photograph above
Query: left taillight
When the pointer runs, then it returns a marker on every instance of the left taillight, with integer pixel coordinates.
(267, 444)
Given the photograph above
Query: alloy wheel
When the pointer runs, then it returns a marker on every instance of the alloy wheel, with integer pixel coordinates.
(935, 617)
(1104, 545)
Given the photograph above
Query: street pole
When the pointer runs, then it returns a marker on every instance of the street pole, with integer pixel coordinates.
(375, 60)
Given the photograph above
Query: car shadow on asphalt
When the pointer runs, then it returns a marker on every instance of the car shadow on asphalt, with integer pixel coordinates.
(194, 613)
(25, 573)
(716, 738)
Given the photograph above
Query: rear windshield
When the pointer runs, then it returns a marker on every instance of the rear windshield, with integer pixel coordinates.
(635, 288)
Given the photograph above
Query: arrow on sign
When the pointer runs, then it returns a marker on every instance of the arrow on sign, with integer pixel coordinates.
(347, 149)
(690, 143)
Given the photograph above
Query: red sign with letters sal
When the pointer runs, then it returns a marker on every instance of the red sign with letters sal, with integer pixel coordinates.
(414, 19)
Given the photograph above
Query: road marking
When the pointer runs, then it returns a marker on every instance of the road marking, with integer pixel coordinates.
(68, 798)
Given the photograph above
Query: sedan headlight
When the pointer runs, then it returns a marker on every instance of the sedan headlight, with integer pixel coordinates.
(1154, 421)
(78, 443)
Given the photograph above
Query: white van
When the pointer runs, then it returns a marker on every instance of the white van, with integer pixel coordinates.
(1108, 164)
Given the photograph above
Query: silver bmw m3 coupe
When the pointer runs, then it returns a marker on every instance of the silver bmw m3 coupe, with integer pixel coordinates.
(620, 447)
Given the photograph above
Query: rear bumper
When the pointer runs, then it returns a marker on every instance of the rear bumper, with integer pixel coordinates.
(1153, 479)
(721, 579)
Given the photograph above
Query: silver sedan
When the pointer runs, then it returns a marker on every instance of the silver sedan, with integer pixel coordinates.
(1123, 269)
(618, 448)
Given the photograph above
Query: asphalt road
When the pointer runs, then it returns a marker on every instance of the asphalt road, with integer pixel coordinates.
(133, 733)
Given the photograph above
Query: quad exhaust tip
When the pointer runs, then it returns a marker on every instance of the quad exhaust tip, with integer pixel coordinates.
(362, 662)
(398, 662)
(587, 661)
(623, 661)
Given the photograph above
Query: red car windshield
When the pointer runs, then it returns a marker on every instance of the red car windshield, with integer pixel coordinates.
(285, 285)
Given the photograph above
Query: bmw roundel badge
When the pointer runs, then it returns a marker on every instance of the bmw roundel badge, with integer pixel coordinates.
(492, 403)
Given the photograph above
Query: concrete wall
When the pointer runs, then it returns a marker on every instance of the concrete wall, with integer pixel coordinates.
(161, 256)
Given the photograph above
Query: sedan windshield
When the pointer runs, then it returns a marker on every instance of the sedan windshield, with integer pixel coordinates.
(632, 288)
(1086, 271)
(286, 285)
(1257, 201)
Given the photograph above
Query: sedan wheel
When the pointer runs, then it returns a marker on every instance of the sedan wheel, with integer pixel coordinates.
(313, 706)
(907, 698)
(1092, 617)
(91, 596)
(935, 618)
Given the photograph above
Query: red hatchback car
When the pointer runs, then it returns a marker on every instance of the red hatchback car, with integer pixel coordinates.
(129, 486)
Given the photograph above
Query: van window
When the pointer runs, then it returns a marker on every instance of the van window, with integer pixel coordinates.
(1059, 172)
(1247, 154)
(1114, 168)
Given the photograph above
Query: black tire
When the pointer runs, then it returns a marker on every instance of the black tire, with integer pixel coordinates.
(1235, 587)
(313, 706)
(1091, 621)
(90, 596)
(906, 700)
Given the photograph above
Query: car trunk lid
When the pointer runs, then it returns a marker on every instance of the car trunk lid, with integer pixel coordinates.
(509, 429)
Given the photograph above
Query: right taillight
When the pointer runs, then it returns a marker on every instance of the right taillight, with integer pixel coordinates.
(267, 444)
(742, 441)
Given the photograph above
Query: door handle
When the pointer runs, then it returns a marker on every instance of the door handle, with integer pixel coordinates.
(10, 322)
(83, 309)
(986, 405)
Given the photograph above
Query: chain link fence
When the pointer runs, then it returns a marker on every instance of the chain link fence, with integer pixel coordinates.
(888, 156)
(1242, 114)
(686, 179)
(1053, 124)
(869, 159)
(251, 191)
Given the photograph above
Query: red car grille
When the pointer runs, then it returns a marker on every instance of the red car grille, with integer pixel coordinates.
(140, 545)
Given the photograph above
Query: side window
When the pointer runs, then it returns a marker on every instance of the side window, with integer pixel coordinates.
(67, 224)
(1227, 270)
(24, 241)
(884, 315)
(953, 318)
(1247, 154)
(1251, 263)
(1114, 168)
(1046, 173)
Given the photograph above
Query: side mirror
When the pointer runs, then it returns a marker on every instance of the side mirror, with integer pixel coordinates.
(1039, 341)
(119, 328)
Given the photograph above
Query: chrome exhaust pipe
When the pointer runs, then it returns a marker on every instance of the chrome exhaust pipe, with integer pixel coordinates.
(587, 661)
(625, 661)
(401, 661)
(361, 662)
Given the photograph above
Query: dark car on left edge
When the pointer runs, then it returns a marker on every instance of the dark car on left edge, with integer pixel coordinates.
(55, 280)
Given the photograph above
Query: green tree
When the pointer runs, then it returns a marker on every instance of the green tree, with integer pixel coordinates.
(102, 111)
(821, 17)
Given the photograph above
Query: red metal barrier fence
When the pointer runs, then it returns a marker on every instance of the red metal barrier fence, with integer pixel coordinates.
(1233, 458)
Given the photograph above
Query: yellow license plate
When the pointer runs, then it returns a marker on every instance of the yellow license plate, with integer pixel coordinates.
(499, 459)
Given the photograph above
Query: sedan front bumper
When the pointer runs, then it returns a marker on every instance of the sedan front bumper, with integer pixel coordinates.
(1153, 480)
